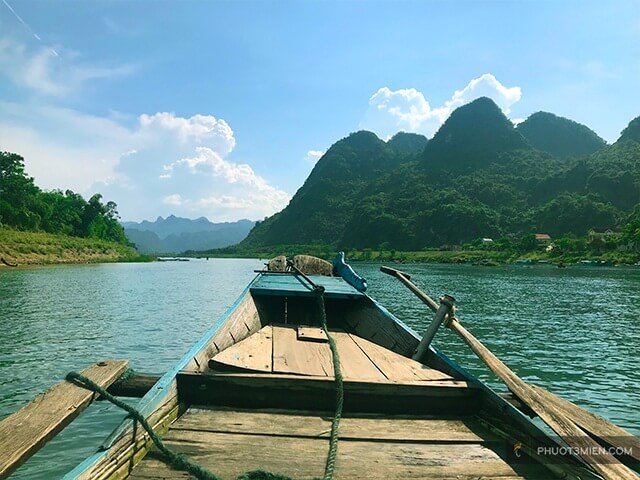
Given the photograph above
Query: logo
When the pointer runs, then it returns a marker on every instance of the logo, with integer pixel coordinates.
(517, 447)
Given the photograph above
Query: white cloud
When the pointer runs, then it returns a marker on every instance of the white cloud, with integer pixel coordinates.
(155, 164)
(408, 110)
(181, 163)
(173, 199)
(314, 155)
(51, 70)
(198, 128)
(486, 86)
(161, 164)
(63, 148)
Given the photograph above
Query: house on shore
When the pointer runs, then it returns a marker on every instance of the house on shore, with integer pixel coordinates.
(543, 239)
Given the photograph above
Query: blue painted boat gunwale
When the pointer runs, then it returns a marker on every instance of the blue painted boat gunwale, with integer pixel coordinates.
(153, 398)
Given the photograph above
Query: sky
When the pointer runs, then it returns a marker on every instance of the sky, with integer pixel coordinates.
(221, 108)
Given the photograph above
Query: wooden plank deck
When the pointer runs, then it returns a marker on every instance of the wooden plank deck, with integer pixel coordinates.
(27, 430)
(281, 349)
(254, 353)
(230, 442)
(291, 355)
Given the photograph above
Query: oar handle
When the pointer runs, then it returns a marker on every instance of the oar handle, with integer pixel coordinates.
(405, 278)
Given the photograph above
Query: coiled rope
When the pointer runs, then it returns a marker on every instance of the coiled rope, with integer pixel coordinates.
(181, 462)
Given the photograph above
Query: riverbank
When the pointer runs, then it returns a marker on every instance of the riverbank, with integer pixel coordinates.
(36, 248)
(480, 256)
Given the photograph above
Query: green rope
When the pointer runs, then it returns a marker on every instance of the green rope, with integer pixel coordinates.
(180, 461)
(176, 459)
(128, 373)
(335, 424)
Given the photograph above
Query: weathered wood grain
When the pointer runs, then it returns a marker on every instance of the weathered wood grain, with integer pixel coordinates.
(311, 334)
(366, 319)
(229, 455)
(253, 353)
(27, 430)
(242, 322)
(594, 424)
(396, 367)
(316, 425)
(133, 443)
(302, 358)
(602, 462)
(354, 363)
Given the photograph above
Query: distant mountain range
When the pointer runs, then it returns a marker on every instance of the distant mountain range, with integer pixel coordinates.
(479, 176)
(175, 234)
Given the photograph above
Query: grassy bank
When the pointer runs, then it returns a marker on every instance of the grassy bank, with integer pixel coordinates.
(35, 248)
(433, 256)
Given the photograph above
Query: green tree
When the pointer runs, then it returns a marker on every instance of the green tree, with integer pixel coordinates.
(25, 207)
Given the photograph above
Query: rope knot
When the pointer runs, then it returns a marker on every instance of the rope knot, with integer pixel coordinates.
(319, 290)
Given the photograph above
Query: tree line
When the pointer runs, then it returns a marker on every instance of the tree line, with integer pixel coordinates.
(25, 206)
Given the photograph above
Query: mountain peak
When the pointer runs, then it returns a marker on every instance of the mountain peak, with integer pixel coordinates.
(407, 143)
(357, 152)
(362, 139)
(631, 132)
(473, 136)
(559, 136)
(179, 234)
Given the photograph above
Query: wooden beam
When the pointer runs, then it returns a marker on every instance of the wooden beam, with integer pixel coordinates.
(135, 386)
(318, 393)
(23, 433)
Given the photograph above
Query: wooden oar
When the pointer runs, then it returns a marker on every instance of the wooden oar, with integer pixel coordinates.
(595, 425)
(24, 432)
(564, 425)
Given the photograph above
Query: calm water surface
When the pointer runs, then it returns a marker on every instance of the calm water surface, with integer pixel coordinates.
(575, 331)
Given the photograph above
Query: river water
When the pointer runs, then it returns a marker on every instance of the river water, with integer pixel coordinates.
(575, 331)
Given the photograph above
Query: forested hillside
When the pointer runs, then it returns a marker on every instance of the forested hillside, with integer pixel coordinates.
(325, 203)
(24, 206)
(479, 176)
(559, 136)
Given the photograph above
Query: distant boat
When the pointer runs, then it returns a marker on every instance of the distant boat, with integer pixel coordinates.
(526, 261)
(172, 259)
(595, 263)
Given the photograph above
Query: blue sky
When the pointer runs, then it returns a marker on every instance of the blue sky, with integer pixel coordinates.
(220, 108)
